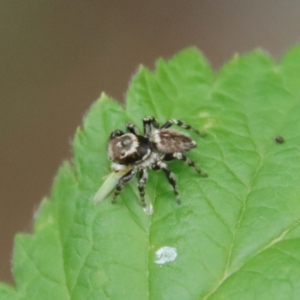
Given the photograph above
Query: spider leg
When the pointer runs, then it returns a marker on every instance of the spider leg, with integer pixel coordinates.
(159, 165)
(147, 122)
(142, 180)
(188, 161)
(116, 133)
(181, 124)
(122, 181)
(132, 128)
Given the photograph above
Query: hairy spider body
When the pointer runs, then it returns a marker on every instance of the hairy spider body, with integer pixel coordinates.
(137, 152)
(171, 141)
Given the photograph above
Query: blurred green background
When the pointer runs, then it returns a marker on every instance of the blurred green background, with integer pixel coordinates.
(56, 57)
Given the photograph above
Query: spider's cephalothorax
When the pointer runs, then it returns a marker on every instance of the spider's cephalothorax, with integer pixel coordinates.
(137, 152)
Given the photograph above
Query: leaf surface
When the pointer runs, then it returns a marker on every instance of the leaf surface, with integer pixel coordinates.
(236, 234)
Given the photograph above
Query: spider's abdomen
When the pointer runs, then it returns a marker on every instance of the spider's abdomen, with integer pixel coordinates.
(128, 149)
(171, 141)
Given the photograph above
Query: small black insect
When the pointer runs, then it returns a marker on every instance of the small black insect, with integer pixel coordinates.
(138, 152)
(279, 139)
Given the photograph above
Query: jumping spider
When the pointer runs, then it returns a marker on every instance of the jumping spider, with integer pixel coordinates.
(134, 152)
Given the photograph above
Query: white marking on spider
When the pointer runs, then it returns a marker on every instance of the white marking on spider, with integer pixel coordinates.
(178, 155)
(155, 137)
(146, 155)
(152, 158)
(134, 145)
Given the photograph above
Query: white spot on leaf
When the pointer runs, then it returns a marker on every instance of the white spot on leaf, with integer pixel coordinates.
(204, 114)
(165, 254)
(148, 209)
(209, 120)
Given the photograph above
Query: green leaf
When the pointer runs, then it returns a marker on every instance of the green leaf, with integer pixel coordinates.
(236, 234)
